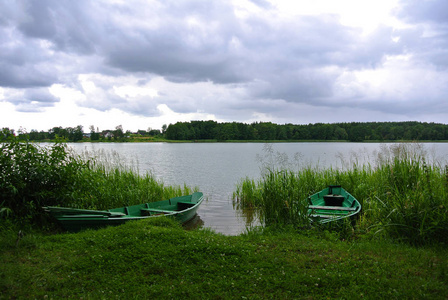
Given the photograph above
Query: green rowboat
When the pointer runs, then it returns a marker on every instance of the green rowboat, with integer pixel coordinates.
(181, 208)
(331, 204)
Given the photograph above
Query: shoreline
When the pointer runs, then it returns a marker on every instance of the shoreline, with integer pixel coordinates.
(249, 141)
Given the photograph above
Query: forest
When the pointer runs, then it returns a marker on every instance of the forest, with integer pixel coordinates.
(354, 131)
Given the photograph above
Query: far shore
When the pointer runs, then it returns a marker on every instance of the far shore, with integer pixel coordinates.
(133, 140)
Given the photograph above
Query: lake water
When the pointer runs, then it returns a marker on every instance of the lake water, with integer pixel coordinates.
(216, 168)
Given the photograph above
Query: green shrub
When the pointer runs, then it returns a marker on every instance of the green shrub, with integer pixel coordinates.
(32, 176)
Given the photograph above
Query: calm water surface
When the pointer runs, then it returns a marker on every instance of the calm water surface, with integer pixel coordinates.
(216, 168)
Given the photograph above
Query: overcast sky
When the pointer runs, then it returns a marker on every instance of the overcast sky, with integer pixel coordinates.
(145, 63)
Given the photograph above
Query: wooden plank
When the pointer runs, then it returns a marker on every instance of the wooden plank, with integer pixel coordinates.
(116, 214)
(77, 211)
(325, 216)
(158, 210)
(81, 216)
(186, 203)
(332, 207)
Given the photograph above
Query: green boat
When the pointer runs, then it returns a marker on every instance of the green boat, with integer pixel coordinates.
(331, 204)
(181, 208)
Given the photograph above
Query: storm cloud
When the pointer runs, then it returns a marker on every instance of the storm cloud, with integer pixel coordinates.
(229, 61)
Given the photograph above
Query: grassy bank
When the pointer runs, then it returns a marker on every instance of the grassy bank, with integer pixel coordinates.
(158, 259)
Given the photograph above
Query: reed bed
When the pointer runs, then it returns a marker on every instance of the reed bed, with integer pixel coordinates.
(116, 181)
(403, 196)
(33, 176)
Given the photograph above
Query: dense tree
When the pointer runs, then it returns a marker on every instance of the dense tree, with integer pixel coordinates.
(94, 135)
(154, 132)
(355, 131)
(118, 133)
(340, 133)
(72, 134)
(75, 133)
(6, 134)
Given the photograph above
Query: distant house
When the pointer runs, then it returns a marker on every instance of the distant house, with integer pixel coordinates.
(107, 134)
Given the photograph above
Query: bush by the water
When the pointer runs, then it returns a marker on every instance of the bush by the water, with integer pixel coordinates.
(402, 195)
(33, 176)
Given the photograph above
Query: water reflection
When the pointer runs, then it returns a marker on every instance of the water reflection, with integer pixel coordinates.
(194, 223)
(250, 216)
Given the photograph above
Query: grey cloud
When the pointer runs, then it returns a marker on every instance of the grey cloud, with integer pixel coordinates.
(142, 106)
(189, 43)
(433, 50)
(274, 60)
(38, 44)
(427, 46)
(24, 76)
(33, 100)
(306, 85)
(67, 24)
(103, 100)
(306, 69)
(412, 107)
(23, 63)
(434, 11)
(306, 41)
(41, 95)
(253, 49)
(262, 3)
(295, 60)
(225, 50)
(196, 40)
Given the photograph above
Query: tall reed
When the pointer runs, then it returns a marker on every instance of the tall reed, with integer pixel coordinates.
(33, 176)
(410, 200)
(104, 188)
(403, 196)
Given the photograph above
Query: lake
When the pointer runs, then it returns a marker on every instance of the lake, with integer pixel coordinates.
(216, 168)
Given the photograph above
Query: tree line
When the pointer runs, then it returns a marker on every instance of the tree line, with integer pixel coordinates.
(257, 131)
(75, 134)
(354, 131)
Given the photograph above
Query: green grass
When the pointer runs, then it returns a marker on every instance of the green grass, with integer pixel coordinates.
(158, 259)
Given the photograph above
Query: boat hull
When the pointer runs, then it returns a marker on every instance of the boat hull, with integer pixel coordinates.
(182, 209)
(331, 204)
